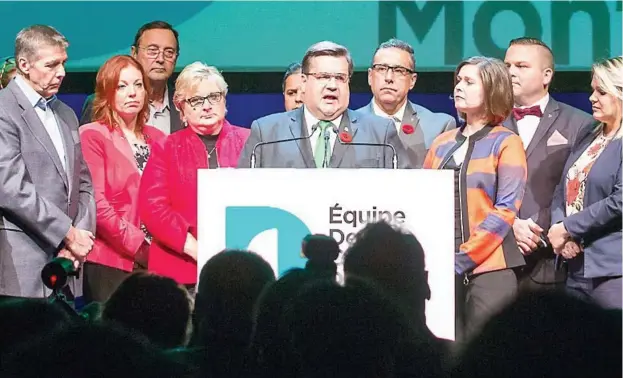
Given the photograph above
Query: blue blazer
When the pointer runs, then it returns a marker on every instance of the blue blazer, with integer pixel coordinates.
(598, 226)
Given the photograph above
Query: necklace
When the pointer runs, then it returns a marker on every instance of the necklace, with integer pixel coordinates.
(211, 151)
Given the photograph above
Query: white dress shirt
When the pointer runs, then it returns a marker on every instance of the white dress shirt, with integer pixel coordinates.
(46, 115)
(528, 124)
(396, 117)
(310, 120)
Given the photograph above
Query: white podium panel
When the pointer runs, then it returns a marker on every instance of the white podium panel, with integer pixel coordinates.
(270, 211)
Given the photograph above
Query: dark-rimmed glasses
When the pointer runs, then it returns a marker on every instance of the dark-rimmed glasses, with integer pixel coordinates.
(7, 66)
(325, 77)
(154, 52)
(382, 69)
(213, 99)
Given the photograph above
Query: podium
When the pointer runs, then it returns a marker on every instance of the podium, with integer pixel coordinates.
(270, 211)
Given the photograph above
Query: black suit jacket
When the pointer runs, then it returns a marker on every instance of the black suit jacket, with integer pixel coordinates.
(546, 158)
(87, 112)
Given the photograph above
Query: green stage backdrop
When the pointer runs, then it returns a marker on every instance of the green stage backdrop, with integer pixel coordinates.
(259, 36)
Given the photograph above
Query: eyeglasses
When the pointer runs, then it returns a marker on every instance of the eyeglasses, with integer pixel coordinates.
(325, 77)
(154, 52)
(398, 70)
(213, 98)
(7, 66)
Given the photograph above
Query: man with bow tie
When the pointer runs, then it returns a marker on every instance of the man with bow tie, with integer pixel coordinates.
(548, 129)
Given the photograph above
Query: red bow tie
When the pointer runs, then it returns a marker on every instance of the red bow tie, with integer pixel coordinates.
(535, 110)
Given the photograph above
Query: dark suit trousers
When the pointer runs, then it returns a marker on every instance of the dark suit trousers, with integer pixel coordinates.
(482, 297)
(100, 281)
(604, 291)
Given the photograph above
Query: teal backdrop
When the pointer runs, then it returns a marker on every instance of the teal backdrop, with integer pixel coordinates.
(259, 36)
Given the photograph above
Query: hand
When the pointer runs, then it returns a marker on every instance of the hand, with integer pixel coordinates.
(527, 233)
(68, 255)
(558, 236)
(190, 246)
(570, 250)
(79, 242)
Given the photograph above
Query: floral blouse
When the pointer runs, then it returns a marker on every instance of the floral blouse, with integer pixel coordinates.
(578, 173)
(141, 155)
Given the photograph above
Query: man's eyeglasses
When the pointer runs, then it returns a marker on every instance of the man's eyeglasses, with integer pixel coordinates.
(154, 52)
(213, 99)
(382, 69)
(325, 77)
(7, 66)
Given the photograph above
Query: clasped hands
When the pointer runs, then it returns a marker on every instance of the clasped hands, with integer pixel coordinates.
(78, 244)
(562, 243)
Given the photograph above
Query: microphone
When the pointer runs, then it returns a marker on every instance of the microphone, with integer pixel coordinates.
(253, 157)
(325, 163)
(394, 155)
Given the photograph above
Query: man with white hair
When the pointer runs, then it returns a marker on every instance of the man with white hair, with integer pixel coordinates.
(47, 207)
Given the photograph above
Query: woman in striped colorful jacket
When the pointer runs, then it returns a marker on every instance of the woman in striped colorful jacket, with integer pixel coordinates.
(490, 171)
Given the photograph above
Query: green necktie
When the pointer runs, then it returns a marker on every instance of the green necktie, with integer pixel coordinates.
(319, 153)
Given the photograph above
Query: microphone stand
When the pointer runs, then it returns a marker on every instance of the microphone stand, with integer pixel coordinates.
(394, 154)
(252, 162)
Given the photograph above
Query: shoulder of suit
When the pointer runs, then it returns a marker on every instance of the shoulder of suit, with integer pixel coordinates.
(445, 137)
(275, 118)
(422, 111)
(369, 117)
(573, 110)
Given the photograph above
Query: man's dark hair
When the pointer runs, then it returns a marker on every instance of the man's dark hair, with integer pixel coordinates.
(156, 25)
(291, 70)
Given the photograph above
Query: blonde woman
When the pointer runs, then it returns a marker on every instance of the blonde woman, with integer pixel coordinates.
(586, 209)
(168, 193)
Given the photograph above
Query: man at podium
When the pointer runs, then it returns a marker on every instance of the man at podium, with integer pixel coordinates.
(323, 133)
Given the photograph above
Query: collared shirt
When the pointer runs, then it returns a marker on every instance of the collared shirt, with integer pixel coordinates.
(160, 117)
(46, 115)
(528, 124)
(396, 117)
(310, 120)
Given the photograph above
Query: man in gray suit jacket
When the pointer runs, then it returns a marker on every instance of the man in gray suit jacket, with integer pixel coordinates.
(47, 207)
(324, 122)
(391, 77)
(548, 130)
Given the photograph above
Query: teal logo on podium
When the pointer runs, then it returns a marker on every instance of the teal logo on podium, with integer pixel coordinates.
(244, 223)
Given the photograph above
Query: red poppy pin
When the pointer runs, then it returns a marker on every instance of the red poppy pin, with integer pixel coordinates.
(345, 137)
(407, 129)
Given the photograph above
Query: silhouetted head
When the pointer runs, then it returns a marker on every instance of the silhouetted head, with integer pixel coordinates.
(154, 305)
(24, 319)
(91, 350)
(549, 335)
(394, 260)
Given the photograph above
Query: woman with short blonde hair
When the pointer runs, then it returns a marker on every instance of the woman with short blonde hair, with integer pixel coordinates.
(168, 198)
(490, 172)
(586, 208)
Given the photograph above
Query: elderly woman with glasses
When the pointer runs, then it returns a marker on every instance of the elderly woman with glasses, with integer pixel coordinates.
(168, 194)
(7, 72)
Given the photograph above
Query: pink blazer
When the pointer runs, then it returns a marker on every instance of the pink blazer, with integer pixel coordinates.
(116, 181)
